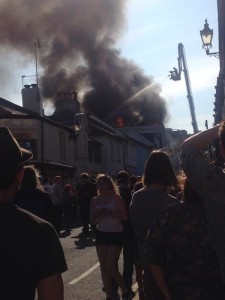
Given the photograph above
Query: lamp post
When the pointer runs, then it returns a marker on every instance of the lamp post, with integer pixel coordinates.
(76, 130)
(77, 126)
(207, 35)
(36, 44)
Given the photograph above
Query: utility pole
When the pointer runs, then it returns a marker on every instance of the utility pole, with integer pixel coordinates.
(37, 44)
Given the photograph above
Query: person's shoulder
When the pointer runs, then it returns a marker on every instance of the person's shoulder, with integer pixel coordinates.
(24, 214)
(171, 211)
(117, 197)
(48, 188)
(189, 152)
(95, 198)
(175, 206)
(171, 198)
(183, 213)
(43, 195)
(30, 220)
(139, 192)
(41, 192)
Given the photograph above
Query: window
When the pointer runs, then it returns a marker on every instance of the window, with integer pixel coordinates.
(94, 151)
(112, 150)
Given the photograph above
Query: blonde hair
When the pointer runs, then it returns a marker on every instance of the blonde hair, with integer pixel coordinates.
(113, 188)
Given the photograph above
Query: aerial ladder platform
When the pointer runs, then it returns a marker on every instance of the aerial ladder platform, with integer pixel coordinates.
(176, 75)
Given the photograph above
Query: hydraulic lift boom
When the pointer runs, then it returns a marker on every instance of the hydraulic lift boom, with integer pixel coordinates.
(176, 75)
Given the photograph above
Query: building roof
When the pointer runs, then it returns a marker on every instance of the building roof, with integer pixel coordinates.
(10, 110)
(134, 135)
(98, 127)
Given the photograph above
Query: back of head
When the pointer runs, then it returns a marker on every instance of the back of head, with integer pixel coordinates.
(12, 157)
(57, 179)
(138, 185)
(67, 188)
(158, 169)
(93, 178)
(133, 179)
(84, 177)
(30, 178)
(122, 177)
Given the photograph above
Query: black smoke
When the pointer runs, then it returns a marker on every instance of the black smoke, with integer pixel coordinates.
(78, 52)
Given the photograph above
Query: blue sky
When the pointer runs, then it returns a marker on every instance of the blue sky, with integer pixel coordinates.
(154, 30)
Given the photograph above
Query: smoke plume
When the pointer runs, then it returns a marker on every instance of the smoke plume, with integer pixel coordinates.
(79, 53)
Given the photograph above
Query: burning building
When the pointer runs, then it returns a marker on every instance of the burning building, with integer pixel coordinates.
(79, 54)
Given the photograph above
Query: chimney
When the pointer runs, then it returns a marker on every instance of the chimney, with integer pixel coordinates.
(31, 96)
(67, 101)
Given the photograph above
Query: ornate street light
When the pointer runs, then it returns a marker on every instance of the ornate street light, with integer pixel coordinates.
(206, 36)
(77, 126)
(76, 130)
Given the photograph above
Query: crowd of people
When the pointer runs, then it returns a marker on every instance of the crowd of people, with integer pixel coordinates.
(169, 229)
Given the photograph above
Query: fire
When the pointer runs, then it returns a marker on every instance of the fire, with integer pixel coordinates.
(120, 122)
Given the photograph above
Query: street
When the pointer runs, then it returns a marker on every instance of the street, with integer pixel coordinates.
(82, 281)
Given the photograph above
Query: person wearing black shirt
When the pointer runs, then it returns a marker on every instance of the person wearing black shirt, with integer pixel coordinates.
(128, 243)
(86, 190)
(31, 256)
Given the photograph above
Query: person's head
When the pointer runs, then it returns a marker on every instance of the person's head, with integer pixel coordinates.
(12, 159)
(105, 184)
(31, 178)
(159, 170)
(93, 178)
(133, 179)
(137, 186)
(84, 177)
(122, 178)
(67, 188)
(221, 134)
(58, 179)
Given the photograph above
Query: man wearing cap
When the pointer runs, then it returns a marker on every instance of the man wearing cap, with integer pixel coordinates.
(31, 256)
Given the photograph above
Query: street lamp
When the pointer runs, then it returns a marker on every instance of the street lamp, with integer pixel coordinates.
(76, 130)
(77, 126)
(206, 36)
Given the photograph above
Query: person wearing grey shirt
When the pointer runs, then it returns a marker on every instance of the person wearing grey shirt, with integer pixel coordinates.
(148, 202)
